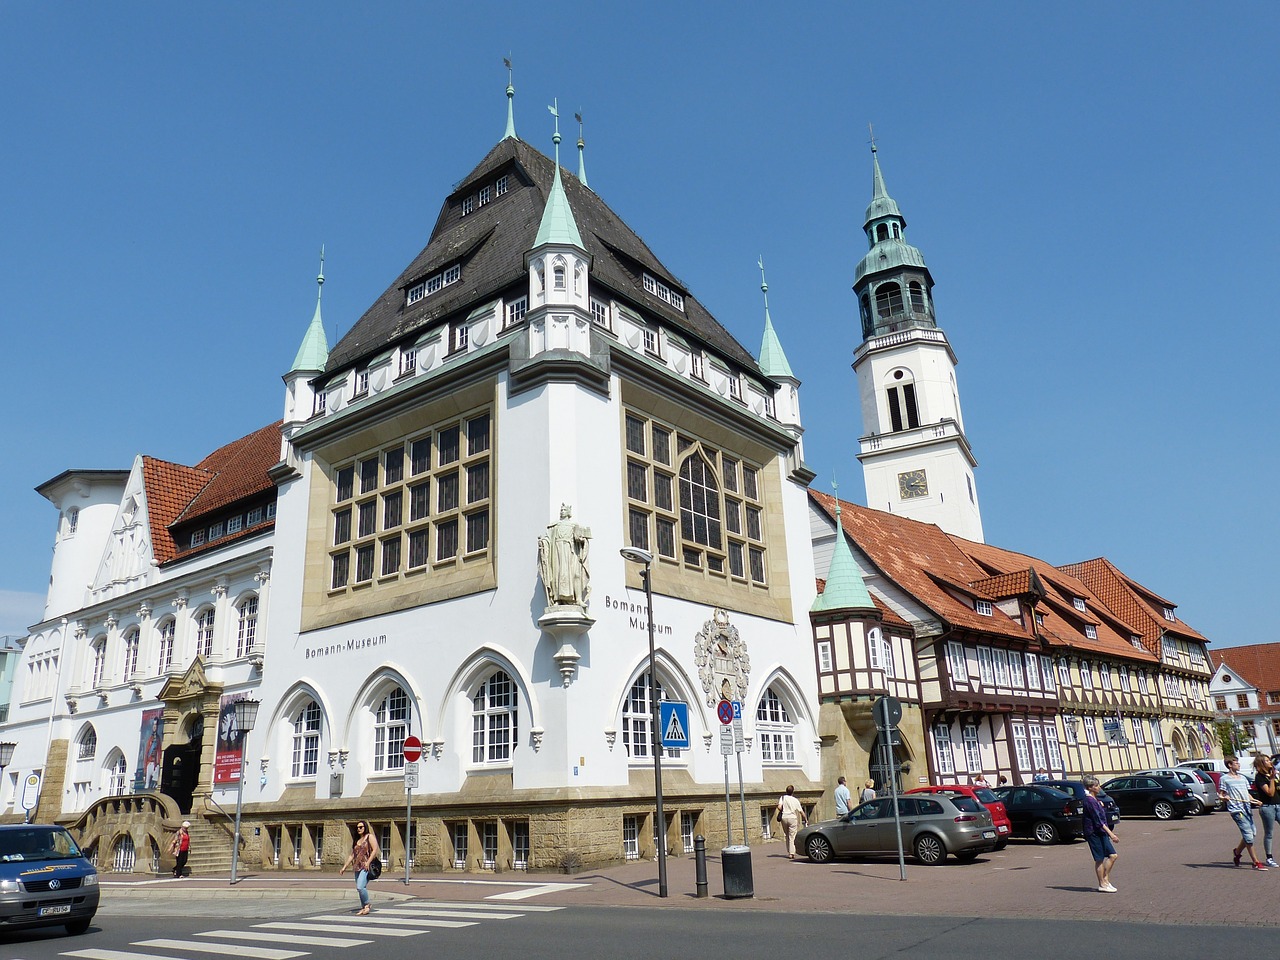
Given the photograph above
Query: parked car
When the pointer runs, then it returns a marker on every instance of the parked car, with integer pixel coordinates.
(1076, 788)
(999, 816)
(1045, 814)
(932, 827)
(45, 881)
(1197, 781)
(1164, 798)
(1214, 767)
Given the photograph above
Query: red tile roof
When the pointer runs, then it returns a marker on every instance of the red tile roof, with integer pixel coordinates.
(920, 558)
(1258, 663)
(176, 493)
(1131, 601)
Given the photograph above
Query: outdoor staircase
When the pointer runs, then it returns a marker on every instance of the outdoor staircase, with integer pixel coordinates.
(212, 836)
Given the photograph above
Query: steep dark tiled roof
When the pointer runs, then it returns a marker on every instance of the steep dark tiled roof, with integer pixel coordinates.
(490, 244)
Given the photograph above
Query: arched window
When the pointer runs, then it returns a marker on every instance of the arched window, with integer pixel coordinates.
(87, 747)
(493, 720)
(896, 233)
(204, 633)
(882, 232)
(868, 322)
(699, 503)
(117, 775)
(130, 652)
(889, 300)
(540, 280)
(637, 719)
(306, 741)
(99, 653)
(557, 275)
(577, 279)
(775, 729)
(904, 412)
(917, 297)
(166, 645)
(391, 726)
(248, 628)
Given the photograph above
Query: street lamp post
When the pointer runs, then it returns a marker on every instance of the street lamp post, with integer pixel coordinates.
(644, 557)
(246, 715)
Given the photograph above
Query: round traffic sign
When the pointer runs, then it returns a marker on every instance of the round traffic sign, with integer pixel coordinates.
(888, 711)
(724, 710)
(412, 749)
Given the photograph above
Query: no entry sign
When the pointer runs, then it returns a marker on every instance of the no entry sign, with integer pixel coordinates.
(412, 749)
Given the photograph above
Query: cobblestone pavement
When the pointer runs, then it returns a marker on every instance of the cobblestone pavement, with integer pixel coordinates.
(1178, 872)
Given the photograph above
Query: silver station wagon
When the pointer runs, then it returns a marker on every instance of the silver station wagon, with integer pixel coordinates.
(932, 827)
(45, 881)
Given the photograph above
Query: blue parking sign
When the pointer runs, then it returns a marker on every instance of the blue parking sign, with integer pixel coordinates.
(673, 716)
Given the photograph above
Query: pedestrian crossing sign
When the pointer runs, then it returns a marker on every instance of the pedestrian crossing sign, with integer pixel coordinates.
(673, 716)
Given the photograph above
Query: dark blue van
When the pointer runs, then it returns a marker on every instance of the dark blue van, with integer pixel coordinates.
(45, 881)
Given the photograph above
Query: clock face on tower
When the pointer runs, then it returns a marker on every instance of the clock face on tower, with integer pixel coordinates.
(912, 484)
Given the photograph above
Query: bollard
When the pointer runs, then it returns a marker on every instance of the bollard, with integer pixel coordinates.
(700, 865)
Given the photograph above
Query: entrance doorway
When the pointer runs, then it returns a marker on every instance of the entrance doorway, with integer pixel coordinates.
(181, 771)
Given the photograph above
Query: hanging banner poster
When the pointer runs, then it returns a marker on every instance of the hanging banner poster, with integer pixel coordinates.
(150, 751)
(230, 752)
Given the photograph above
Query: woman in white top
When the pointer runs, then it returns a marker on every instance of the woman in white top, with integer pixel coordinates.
(792, 816)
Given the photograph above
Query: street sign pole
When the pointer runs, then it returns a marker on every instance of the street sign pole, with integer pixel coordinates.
(739, 744)
(724, 712)
(888, 711)
(412, 749)
(728, 810)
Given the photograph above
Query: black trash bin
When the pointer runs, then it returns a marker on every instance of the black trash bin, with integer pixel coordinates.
(735, 861)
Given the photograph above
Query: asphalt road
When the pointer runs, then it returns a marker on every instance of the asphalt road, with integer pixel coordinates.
(482, 933)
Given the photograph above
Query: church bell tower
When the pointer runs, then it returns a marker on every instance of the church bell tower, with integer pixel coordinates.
(916, 459)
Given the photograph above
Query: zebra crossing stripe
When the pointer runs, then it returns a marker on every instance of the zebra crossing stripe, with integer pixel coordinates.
(472, 905)
(329, 928)
(442, 910)
(374, 920)
(223, 949)
(297, 939)
(94, 954)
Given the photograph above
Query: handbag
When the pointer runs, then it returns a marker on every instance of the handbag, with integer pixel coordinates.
(375, 868)
(779, 816)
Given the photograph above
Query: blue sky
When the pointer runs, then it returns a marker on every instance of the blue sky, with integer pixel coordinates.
(1093, 186)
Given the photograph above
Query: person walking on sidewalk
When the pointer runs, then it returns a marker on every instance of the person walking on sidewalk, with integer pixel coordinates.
(868, 791)
(792, 815)
(1240, 805)
(1099, 835)
(842, 798)
(179, 848)
(363, 852)
(1264, 789)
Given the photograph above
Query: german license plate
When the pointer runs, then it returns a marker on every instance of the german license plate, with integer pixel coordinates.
(988, 834)
(55, 910)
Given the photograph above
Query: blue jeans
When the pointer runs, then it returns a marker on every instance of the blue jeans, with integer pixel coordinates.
(362, 886)
(1270, 813)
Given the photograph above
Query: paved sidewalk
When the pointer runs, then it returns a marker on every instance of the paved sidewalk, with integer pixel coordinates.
(1177, 872)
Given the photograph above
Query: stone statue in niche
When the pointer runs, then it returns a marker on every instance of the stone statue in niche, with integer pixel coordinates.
(562, 561)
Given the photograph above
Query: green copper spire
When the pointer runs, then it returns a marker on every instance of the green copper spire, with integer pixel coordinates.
(845, 589)
(511, 93)
(773, 362)
(582, 146)
(314, 352)
(558, 225)
(882, 205)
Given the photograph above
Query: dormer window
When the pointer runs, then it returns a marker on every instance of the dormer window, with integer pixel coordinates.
(650, 340)
(983, 607)
(663, 292)
(696, 368)
(362, 382)
(468, 205)
(322, 402)
(768, 406)
(516, 310)
(429, 286)
(1169, 615)
(461, 336)
(408, 361)
(735, 387)
(215, 531)
(197, 538)
(1078, 603)
(486, 194)
(1091, 631)
(599, 313)
(500, 186)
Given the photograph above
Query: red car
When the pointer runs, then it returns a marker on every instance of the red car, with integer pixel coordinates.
(999, 816)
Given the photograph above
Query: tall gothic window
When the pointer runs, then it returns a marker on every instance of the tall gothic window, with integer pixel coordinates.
(637, 720)
(88, 745)
(494, 720)
(306, 741)
(204, 633)
(775, 729)
(248, 627)
(390, 727)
